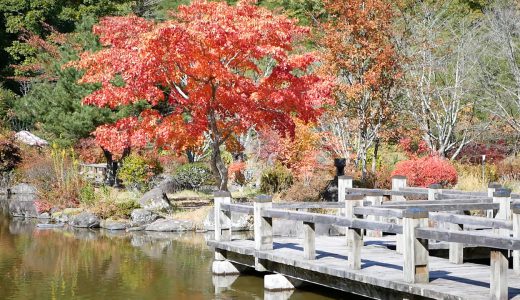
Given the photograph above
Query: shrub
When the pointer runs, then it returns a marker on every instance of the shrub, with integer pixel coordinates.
(472, 153)
(113, 209)
(87, 194)
(414, 147)
(88, 151)
(427, 170)
(192, 176)
(10, 154)
(136, 171)
(509, 168)
(311, 189)
(275, 179)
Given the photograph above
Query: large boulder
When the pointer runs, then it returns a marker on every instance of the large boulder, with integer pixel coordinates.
(23, 205)
(165, 183)
(170, 225)
(23, 189)
(142, 216)
(114, 224)
(156, 200)
(85, 220)
(239, 222)
(66, 215)
(30, 139)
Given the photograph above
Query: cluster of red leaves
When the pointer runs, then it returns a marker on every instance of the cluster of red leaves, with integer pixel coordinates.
(423, 171)
(358, 46)
(204, 64)
(42, 206)
(89, 151)
(495, 153)
(298, 153)
(236, 171)
(414, 147)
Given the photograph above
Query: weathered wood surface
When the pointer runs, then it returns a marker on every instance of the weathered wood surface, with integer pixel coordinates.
(470, 220)
(381, 270)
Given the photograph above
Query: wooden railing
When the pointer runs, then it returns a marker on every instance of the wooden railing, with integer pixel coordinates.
(414, 222)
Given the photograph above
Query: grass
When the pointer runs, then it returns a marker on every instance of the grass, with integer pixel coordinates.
(196, 216)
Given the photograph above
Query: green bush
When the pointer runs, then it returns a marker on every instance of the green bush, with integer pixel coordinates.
(276, 179)
(192, 176)
(87, 194)
(136, 172)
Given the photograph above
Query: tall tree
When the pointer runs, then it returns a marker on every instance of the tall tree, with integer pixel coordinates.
(440, 76)
(214, 68)
(500, 61)
(359, 52)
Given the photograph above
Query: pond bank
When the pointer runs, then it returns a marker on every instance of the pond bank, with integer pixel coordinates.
(81, 263)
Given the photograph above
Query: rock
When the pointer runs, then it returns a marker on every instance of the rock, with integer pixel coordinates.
(30, 139)
(137, 228)
(85, 220)
(239, 222)
(66, 215)
(114, 225)
(170, 225)
(44, 215)
(155, 199)
(165, 183)
(142, 216)
(23, 188)
(23, 205)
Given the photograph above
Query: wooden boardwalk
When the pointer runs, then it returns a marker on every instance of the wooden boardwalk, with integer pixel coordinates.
(381, 270)
(369, 263)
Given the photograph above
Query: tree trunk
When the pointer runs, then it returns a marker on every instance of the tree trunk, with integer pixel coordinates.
(112, 167)
(191, 156)
(374, 160)
(218, 167)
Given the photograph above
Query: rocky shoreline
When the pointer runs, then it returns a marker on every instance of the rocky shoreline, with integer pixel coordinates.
(21, 203)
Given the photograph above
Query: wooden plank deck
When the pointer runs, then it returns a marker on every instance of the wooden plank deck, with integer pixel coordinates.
(382, 269)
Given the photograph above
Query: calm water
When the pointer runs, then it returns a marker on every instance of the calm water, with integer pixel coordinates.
(94, 264)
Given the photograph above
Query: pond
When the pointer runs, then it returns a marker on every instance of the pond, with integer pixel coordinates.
(95, 264)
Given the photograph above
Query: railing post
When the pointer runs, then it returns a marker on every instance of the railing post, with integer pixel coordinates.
(515, 208)
(374, 201)
(434, 189)
(456, 250)
(354, 235)
(415, 250)
(263, 226)
(344, 182)
(499, 266)
(398, 182)
(222, 219)
(503, 198)
(491, 189)
(309, 243)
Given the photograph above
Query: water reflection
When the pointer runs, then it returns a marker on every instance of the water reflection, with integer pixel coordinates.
(67, 263)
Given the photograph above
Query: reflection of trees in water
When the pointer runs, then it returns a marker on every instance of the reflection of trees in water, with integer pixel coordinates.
(72, 264)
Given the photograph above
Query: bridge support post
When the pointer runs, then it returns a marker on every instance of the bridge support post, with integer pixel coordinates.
(415, 250)
(492, 187)
(354, 236)
(516, 234)
(374, 201)
(344, 182)
(263, 227)
(309, 243)
(398, 182)
(499, 266)
(222, 219)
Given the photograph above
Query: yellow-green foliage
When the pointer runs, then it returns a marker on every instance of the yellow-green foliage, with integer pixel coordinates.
(112, 203)
(136, 172)
(276, 179)
(470, 177)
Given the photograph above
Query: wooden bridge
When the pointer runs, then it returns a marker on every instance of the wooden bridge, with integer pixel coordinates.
(386, 251)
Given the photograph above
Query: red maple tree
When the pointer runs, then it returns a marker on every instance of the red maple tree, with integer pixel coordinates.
(213, 70)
